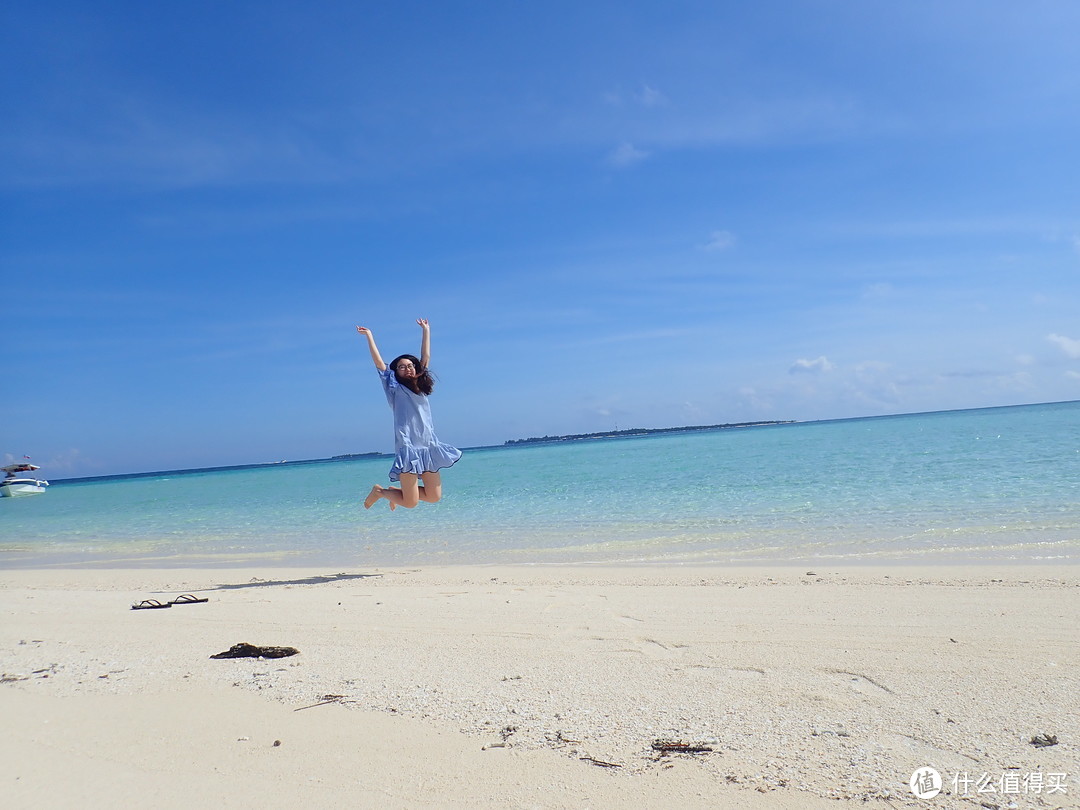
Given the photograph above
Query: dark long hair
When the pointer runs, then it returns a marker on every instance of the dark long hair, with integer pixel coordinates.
(423, 383)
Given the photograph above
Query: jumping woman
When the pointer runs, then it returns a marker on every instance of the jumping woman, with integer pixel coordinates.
(418, 453)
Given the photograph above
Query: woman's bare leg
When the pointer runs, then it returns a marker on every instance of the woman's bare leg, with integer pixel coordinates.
(411, 493)
(431, 491)
(408, 496)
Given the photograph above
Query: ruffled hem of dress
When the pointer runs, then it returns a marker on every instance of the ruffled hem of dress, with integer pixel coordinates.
(418, 462)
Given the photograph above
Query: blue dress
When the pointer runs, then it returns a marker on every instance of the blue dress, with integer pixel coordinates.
(416, 447)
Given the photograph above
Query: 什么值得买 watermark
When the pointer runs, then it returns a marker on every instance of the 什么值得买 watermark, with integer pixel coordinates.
(926, 783)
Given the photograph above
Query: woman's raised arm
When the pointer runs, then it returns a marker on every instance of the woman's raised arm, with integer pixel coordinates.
(376, 358)
(425, 343)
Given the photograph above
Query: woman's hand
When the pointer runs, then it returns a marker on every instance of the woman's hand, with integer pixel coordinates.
(363, 330)
(422, 322)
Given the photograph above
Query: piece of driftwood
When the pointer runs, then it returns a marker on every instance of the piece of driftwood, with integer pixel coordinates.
(326, 700)
(600, 762)
(1044, 740)
(679, 747)
(561, 739)
(245, 650)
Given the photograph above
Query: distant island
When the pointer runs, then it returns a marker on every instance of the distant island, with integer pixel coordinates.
(612, 434)
(629, 432)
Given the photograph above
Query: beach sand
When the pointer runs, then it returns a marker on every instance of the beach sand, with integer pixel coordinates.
(487, 687)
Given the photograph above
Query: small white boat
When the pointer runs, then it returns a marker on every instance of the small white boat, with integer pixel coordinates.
(12, 485)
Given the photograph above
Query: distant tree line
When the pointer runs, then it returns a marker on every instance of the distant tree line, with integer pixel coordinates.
(617, 434)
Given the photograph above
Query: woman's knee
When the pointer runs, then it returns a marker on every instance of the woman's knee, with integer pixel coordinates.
(410, 499)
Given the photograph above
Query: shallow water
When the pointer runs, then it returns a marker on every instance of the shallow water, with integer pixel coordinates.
(974, 486)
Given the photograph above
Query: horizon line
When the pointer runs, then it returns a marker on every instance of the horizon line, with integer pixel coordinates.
(519, 443)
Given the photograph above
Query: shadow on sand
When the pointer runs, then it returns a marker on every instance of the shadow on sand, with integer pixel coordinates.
(315, 580)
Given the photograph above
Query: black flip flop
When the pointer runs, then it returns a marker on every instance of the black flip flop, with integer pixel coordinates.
(150, 604)
(187, 599)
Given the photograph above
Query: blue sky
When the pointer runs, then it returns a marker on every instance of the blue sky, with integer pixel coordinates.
(613, 214)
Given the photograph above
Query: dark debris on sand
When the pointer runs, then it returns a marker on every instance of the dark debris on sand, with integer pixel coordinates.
(245, 650)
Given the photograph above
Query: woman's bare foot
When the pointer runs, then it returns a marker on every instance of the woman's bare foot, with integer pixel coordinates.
(375, 494)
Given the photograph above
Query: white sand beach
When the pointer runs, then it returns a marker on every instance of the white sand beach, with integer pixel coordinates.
(542, 687)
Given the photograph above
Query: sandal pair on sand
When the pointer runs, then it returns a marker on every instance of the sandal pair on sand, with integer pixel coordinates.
(154, 604)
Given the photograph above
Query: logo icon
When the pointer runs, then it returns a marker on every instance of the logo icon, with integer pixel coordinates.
(925, 783)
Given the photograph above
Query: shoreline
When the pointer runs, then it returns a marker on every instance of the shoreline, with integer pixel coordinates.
(286, 560)
(452, 684)
(240, 567)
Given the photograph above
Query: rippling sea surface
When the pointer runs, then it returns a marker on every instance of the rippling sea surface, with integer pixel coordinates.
(997, 484)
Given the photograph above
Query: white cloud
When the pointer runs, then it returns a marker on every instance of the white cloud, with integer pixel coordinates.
(720, 240)
(651, 97)
(626, 155)
(819, 365)
(647, 96)
(1070, 346)
(1074, 375)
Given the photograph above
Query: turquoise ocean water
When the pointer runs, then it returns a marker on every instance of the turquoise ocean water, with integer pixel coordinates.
(997, 484)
